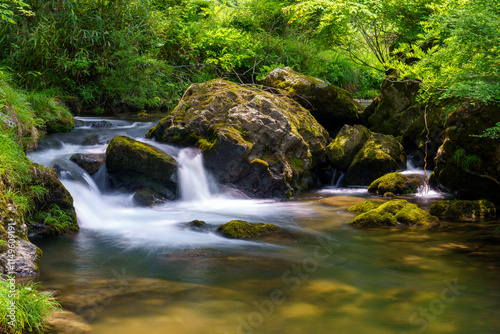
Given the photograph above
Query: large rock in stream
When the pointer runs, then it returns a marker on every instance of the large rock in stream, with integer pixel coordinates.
(331, 106)
(467, 165)
(365, 156)
(263, 144)
(133, 165)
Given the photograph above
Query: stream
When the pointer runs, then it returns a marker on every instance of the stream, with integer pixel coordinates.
(132, 269)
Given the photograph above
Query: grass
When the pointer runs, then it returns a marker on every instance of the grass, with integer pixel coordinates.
(32, 308)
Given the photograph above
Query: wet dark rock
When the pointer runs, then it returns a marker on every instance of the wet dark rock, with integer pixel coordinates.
(147, 197)
(89, 162)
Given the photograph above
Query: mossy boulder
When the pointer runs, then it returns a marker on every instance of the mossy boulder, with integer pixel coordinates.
(88, 162)
(348, 142)
(331, 106)
(134, 165)
(265, 145)
(466, 165)
(393, 213)
(463, 209)
(395, 183)
(365, 156)
(239, 229)
(54, 213)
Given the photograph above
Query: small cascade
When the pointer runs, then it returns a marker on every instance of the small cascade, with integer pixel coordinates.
(101, 179)
(193, 181)
(337, 178)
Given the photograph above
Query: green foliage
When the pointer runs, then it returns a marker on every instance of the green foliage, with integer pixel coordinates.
(468, 163)
(492, 133)
(458, 51)
(54, 218)
(31, 307)
(9, 9)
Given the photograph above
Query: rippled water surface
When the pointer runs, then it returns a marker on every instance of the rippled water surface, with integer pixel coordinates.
(142, 270)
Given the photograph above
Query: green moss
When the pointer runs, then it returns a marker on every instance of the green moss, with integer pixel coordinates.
(464, 209)
(205, 144)
(393, 213)
(412, 215)
(374, 218)
(260, 162)
(364, 207)
(238, 229)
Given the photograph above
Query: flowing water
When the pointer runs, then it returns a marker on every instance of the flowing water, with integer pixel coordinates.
(143, 270)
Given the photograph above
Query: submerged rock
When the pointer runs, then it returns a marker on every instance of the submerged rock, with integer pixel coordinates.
(197, 225)
(331, 106)
(147, 197)
(396, 212)
(88, 162)
(463, 209)
(395, 183)
(365, 156)
(134, 165)
(66, 322)
(467, 165)
(238, 229)
(263, 144)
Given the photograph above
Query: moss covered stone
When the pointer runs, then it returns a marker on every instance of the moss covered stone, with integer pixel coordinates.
(239, 229)
(331, 106)
(464, 209)
(395, 183)
(266, 145)
(380, 155)
(396, 212)
(364, 207)
(342, 150)
(134, 165)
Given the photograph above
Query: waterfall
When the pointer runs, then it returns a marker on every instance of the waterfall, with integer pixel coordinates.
(193, 181)
(337, 178)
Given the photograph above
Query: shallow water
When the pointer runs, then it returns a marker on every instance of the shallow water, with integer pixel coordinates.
(141, 270)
